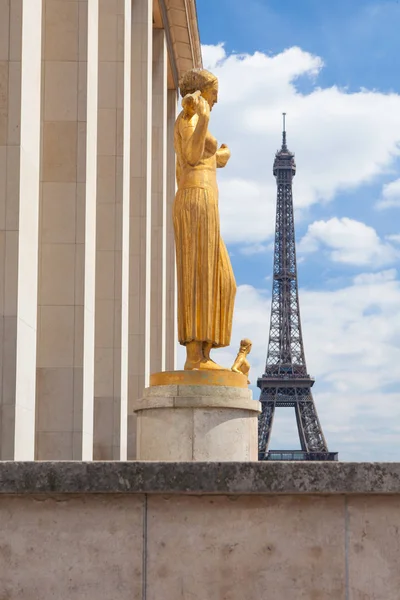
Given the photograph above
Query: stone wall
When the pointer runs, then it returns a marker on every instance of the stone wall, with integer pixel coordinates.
(119, 531)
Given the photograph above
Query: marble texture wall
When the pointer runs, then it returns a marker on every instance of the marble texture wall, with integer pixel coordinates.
(216, 547)
(10, 149)
(107, 382)
(87, 179)
(140, 208)
(64, 272)
(171, 332)
(20, 134)
(158, 204)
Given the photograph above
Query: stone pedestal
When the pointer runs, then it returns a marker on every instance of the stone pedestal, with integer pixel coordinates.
(197, 416)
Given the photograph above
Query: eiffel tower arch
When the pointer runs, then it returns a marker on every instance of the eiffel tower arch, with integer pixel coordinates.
(285, 382)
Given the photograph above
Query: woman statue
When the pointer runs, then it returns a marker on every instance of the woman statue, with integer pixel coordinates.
(206, 284)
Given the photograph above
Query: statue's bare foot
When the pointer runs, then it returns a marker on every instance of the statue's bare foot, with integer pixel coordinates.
(202, 365)
(191, 365)
(207, 346)
(210, 365)
(194, 355)
(198, 358)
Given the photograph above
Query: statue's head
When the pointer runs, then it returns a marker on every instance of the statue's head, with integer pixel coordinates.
(200, 80)
(245, 345)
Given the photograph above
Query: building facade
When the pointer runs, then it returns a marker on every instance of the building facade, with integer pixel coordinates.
(88, 99)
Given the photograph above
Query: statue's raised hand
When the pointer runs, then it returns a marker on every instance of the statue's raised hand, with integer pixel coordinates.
(203, 108)
(223, 155)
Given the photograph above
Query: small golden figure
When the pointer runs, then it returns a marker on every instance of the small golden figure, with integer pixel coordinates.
(241, 364)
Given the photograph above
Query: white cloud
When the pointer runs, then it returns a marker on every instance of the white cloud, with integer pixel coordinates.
(212, 55)
(395, 237)
(373, 278)
(240, 201)
(252, 249)
(342, 139)
(390, 195)
(350, 242)
(352, 346)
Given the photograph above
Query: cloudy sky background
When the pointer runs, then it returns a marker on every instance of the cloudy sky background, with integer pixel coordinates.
(333, 67)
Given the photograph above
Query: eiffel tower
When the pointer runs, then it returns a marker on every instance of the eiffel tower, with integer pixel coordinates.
(285, 382)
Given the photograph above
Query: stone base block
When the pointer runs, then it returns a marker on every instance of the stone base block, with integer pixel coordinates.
(197, 423)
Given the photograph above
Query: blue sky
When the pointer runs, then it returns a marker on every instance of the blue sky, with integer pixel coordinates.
(333, 67)
(357, 39)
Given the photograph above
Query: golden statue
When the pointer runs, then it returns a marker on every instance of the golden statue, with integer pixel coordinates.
(206, 284)
(241, 364)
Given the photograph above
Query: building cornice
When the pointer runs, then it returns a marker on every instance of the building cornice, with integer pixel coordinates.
(183, 39)
(191, 12)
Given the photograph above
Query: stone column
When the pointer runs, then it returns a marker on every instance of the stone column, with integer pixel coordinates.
(140, 207)
(125, 221)
(19, 203)
(107, 383)
(67, 231)
(171, 334)
(158, 204)
(10, 98)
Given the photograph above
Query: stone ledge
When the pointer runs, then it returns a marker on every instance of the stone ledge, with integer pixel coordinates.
(221, 391)
(201, 402)
(198, 478)
(197, 396)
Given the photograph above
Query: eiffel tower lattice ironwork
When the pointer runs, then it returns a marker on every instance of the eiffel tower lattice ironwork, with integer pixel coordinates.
(285, 382)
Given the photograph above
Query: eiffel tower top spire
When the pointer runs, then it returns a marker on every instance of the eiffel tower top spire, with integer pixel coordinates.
(284, 147)
(284, 159)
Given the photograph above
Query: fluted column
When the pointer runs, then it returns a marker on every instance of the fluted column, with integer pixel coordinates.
(140, 207)
(67, 229)
(158, 204)
(19, 202)
(171, 334)
(107, 384)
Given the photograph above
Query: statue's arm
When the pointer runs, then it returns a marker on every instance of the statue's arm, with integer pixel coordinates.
(237, 364)
(178, 171)
(223, 155)
(194, 134)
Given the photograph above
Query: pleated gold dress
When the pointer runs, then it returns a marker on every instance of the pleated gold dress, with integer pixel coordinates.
(206, 283)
